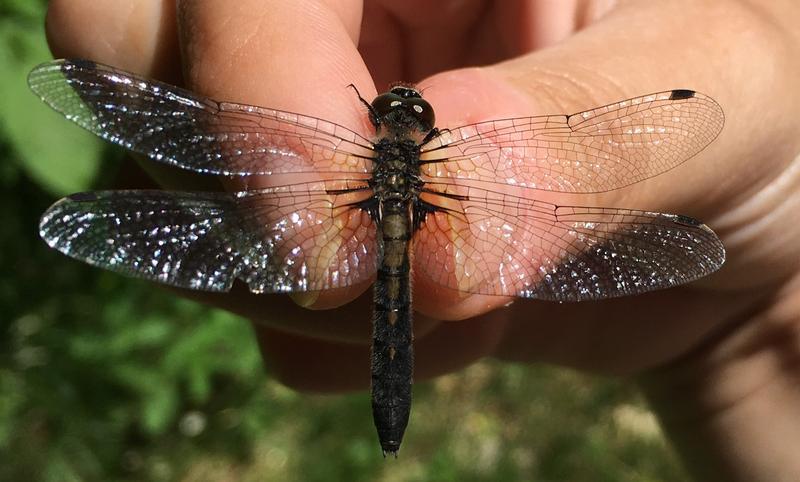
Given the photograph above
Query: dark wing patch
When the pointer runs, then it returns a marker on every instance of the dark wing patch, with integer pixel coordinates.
(679, 94)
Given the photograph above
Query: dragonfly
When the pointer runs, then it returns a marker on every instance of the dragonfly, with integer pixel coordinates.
(321, 206)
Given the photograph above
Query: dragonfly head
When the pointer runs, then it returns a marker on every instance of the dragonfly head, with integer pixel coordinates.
(401, 112)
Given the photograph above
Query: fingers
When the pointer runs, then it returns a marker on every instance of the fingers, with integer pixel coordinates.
(137, 36)
(408, 41)
(295, 56)
(277, 53)
(288, 55)
(299, 56)
(645, 47)
(324, 365)
(742, 185)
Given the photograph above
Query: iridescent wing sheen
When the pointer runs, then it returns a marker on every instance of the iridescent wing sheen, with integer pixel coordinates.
(493, 243)
(593, 151)
(286, 239)
(177, 127)
(311, 236)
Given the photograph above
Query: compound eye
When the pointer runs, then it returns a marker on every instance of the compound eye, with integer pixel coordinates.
(385, 103)
(423, 112)
(406, 92)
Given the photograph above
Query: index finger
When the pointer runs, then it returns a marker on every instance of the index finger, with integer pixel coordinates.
(288, 55)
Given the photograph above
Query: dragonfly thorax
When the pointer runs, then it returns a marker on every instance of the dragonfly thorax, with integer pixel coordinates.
(395, 173)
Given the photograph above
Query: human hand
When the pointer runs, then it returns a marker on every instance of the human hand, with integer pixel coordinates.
(716, 336)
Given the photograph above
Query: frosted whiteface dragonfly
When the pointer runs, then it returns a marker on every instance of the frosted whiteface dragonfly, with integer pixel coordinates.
(326, 207)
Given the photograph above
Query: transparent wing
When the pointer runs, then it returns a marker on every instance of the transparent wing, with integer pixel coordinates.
(500, 244)
(277, 240)
(594, 151)
(177, 127)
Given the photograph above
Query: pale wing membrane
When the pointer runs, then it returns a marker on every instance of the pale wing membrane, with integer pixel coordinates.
(277, 240)
(594, 151)
(177, 127)
(499, 244)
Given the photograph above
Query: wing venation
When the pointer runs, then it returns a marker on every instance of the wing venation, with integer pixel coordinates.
(275, 240)
(593, 151)
(500, 244)
(177, 127)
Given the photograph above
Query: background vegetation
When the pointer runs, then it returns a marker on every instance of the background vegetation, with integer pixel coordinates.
(104, 378)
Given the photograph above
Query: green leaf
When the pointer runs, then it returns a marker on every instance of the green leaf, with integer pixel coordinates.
(21, 8)
(58, 155)
(159, 408)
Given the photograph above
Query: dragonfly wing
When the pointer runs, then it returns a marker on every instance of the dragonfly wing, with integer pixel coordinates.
(593, 151)
(276, 240)
(177, 127)
(493, 243)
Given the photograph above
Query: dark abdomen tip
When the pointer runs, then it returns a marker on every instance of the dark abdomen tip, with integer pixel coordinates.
(390, 448)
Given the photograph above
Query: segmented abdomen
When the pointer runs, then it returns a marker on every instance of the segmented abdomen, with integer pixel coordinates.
(392, 350)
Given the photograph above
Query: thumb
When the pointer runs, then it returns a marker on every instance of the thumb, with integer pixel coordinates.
(641, 48)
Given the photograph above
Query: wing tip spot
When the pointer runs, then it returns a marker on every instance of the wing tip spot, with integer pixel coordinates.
(85, 63)
(687, 221)
(680, 94)
(83, 197)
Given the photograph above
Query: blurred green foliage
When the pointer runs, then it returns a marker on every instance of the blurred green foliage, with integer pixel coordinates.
(58, 157)
(104, 378)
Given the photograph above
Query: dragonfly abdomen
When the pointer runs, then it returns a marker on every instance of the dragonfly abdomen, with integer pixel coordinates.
(392, 350)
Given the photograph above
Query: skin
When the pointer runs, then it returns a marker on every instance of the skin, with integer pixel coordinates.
(718, 359)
